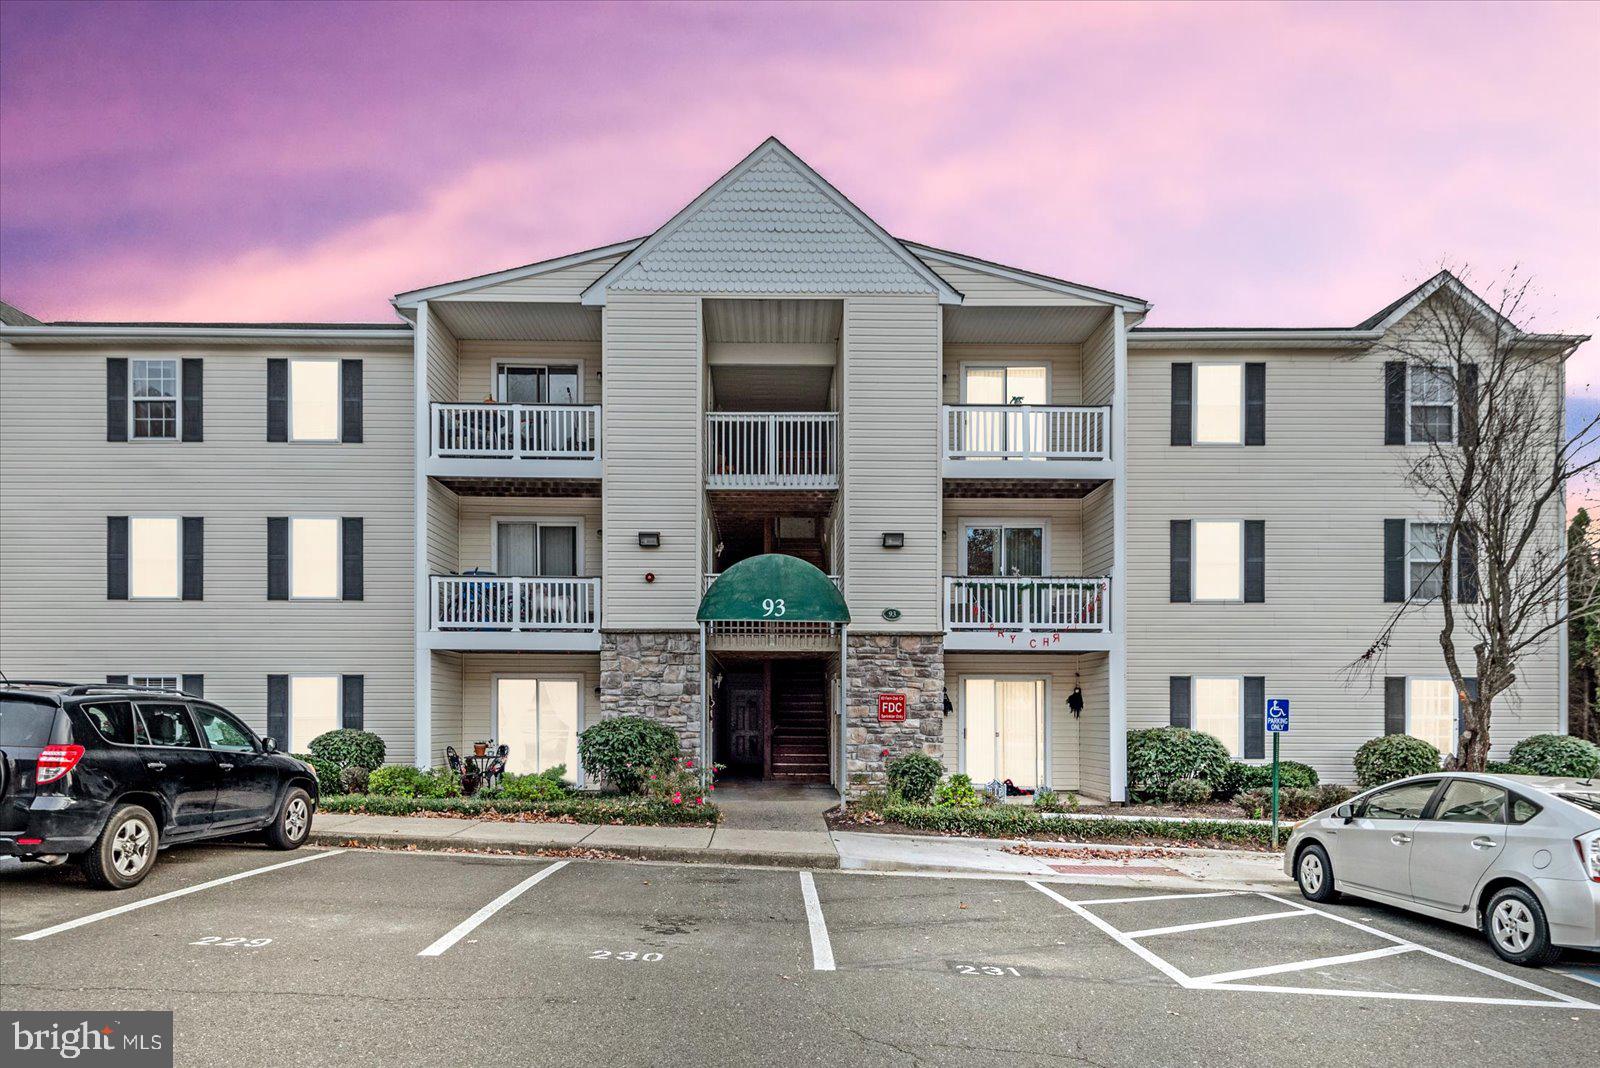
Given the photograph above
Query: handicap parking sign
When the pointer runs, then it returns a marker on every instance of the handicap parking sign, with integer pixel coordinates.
(1278, 715)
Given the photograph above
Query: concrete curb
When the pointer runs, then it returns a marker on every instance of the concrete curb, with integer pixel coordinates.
(681, 854)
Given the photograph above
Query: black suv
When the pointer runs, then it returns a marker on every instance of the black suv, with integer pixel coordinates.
(111, 774)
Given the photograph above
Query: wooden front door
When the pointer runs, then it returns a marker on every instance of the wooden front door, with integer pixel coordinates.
(744, 724)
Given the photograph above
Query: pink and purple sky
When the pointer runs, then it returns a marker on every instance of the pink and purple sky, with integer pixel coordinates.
(1237, 165)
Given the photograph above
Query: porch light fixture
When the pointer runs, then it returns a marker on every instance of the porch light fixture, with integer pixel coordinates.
(894, 539)
(649, 539)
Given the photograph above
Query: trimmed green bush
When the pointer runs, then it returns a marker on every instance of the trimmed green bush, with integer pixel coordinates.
(347, 748)
(403, 780)
(1011, 821)
(1496, 767)
(1047, 800)
(353, 780)
(1291, 775)
(1295, 803)
(1188, 792)
(1557, 754)
(1161, 755)
(602, 810)
(956, 792)
(914, 776)
(327, 773)
(624, 750)
(1394, 756)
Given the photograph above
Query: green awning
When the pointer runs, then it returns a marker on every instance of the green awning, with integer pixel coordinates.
(773, 588)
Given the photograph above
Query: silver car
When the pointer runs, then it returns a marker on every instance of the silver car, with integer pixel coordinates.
(1516, 856)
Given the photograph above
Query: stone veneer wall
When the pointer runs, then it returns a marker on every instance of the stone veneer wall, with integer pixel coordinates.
(654, 674)
(912, 664)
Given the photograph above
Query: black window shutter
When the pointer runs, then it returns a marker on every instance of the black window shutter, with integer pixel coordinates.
(1467, 565)
(1255, 561)
(1183, 404)
(352, 705)
(1178, 701)
(1467, 404)
(116, 399)
(278, 558)
(1178, 542)
(194, 685)
(194, 558)
(1394, 402)
(277, 400)
(1255, 404)
(194, 394)
(1255, 717)
(354, 554)
(350, 401)
(116, 680)
(116, 558)
(1394, 560)
(1394, 704)
(278, 710)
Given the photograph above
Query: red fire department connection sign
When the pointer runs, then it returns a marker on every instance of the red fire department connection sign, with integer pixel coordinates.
(891, 708)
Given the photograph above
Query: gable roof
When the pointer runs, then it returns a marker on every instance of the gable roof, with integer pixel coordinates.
(771, 225)
(411, 298)
(11, 315)
(1033, 278)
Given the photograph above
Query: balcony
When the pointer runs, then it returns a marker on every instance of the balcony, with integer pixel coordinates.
(483, 612)
(772, 451)
(1024, 613)
(514, 441)
(1025, 441)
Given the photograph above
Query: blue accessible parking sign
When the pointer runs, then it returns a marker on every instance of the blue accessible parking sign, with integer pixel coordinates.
(1278, 715)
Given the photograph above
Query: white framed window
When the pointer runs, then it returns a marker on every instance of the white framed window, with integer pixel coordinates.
(154, 400)
(158, 682)
(313, 400)
(314, 560)
(1425, 575)
(1219, 404)
(525, 382)
(1218, 559)
(1218, 710)
(154, 557)
(313, 708)
(1005, 547)
(538, 719)
(1431, 405)
(1431, 711)
(547, 547)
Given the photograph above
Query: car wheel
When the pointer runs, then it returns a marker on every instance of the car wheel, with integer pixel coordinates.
(125, 851)
(1314, 872)
(1517, 930)
(293, 823)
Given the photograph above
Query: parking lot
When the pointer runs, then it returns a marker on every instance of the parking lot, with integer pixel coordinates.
(363, 955)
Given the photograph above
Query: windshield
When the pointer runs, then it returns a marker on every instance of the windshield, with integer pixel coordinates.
(26, 724)
(1588, 801)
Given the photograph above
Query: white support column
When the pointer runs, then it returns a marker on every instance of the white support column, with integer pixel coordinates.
(844, 717)
(422, 701)
(1117, 662)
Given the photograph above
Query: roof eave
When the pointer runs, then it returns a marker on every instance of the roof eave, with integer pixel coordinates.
(414, 297)
(1017, 274)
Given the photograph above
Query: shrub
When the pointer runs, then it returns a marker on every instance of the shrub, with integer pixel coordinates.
(349, 748)
(1394, 756)
(540, 787)
(395, 780)
(327, 773)
(1188, 792)
(914, 777)
(440, 782)
(1161, 755)
(1557, 754)
(624, 750)
(1291, 773)
(1295, 803)
(353, 780)
(956, 792)
(601, 810)
(1047, 800)
(677, 782)
(1022, 821)
(1496, 767)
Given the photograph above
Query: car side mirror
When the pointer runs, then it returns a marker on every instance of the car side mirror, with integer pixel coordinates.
(269, 745)
(1345, 812)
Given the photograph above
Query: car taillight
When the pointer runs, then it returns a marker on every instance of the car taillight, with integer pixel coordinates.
(1589, 855)
(56, 760)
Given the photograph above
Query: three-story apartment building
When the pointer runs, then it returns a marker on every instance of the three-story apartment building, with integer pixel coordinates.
(812, 495)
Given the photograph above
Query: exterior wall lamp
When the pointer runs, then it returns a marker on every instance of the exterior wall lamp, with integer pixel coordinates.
(894, 539)
(649, 539)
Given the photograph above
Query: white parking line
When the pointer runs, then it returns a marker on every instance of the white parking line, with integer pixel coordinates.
(1123, 940)
(1235, 921)
(1304, 965)
(466, 926)
(1592, 976)
(821, 947)
(34, 936)
(1160, 897)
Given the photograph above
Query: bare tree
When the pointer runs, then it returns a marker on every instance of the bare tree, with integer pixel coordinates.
(1494, 471)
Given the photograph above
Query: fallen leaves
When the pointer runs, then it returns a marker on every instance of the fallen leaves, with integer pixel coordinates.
(1123, 856)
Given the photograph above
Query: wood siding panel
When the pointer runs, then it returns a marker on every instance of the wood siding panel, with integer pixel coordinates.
(1099, 526)
(1064, 518)
(1064, 361)
(444, 553)
(446, 705)
(443, 375)
(476, 526)
(478, 359)
(1100, 365)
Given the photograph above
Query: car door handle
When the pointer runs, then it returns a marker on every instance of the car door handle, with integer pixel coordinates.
(1484, 842)
(155, 765)
(225, 767)
(1400, 839)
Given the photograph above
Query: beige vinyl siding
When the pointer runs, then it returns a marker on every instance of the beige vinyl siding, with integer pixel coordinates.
(477, 516)
(980, 288)
(1323, 483)
(891, 460)
(478, 360)
(443, 545)
(1063, 519)
(564, 284)
(1094, 727)
(1065, 364)
(478, 672)
(443, 375)
(1100, 363)
(1099, 526)
(62, 479)
(652, 464)
(445, 705)
(1060, 672)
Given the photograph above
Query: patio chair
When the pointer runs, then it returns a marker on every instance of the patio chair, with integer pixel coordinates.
(453, 759)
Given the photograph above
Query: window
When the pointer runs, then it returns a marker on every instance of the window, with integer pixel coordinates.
(1002, 549)
(1219, 404)
(153, 555)
(528, 384)
(1003, 731)
(1219, 711)
(157, 682)
(995, 433)
(538, 720)
(313, 708)
(1399, 802)
(116, 722)
(153, 399)
(1424, 557)
(222, 732)
(1465, 801)
(1004, 385)
(314, 561)
(1433, 405)
(1431, 712)
(168, 725)
(528, 548)
(313, 400)
(1218, 560)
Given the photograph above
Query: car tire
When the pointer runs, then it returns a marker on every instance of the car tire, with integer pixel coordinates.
(291, 827)
(125, 851)
(1314, 872)
(1515, 925)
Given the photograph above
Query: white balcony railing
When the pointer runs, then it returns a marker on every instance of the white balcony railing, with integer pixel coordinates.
(772, 450)
(1025, 432)
(516, 431)
(1026, 603)
(465, 602)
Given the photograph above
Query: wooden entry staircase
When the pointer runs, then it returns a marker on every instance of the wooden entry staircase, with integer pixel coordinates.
(799, 721)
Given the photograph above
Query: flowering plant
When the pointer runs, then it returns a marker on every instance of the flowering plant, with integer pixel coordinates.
(677, 781)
